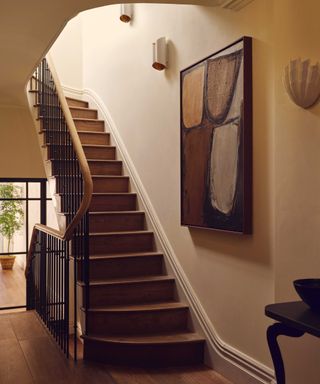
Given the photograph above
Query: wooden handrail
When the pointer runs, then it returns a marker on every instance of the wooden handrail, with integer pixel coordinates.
(84, 167)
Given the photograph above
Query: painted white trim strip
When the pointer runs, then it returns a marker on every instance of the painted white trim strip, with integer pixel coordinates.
(252, 368)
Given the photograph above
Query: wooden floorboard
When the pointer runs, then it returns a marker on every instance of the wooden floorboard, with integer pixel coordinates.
(26, 325)
(28, 354)
(181, 375)
(13, 284)
(13, 366)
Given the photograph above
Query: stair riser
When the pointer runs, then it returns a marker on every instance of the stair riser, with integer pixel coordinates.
(84, 113)
(116, 222)
(95, 126)
(94, 138)
(85, 138)
(117, 294)
(144, 355)
(77, 103)
(57, 165)
(105, 153)
(120, 243)
(99, 168)
(124, 267)
(138, 322)
(110, 184)
(113, 203)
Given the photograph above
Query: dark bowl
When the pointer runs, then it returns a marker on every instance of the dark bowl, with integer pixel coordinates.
(309, 291)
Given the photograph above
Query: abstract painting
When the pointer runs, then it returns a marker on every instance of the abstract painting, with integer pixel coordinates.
(216, 140)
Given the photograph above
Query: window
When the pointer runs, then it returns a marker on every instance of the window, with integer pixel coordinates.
(31, 204)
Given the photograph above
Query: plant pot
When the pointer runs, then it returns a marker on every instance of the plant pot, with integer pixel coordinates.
(7, 261)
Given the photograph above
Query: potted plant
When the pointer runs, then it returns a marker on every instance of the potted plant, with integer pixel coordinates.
(11, 219)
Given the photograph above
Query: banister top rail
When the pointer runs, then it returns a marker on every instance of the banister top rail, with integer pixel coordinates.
(84, 168)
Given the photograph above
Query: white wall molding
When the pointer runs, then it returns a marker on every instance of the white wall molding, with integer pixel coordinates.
(72, 92)
(241, 368)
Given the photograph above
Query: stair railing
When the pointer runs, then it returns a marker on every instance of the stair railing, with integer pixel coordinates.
(47, 268)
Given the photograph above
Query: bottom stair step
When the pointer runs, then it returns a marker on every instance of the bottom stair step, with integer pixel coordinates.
(157, 350)
(138, 319)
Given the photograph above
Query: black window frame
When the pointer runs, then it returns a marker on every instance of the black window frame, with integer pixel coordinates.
(43, 200)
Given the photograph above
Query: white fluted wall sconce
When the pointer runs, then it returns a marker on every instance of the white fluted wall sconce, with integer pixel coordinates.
(126, 12)
(302, 82)
(160, 56)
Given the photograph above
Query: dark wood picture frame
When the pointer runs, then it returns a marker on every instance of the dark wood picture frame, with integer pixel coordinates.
(216, 140)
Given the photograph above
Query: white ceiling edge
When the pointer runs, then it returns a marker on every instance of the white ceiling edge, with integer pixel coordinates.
(235, 5)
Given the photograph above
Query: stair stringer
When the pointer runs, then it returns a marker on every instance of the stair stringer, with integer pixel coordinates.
(224, 358)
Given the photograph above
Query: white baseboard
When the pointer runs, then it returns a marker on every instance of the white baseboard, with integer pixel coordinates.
(232, 363)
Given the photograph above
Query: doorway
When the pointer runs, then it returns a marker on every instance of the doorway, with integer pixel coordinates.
(23, 203)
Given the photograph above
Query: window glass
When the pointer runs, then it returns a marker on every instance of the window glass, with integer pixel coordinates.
(34, 190)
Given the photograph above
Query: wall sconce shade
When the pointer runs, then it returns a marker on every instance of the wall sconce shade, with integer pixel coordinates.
(160, 61)
(125, 13)
(235, 5)
(302, 82)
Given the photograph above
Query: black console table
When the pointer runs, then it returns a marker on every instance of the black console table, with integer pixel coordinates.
(294, 319)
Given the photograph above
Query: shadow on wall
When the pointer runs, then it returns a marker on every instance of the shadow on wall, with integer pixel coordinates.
(173, 70)
(256, 248)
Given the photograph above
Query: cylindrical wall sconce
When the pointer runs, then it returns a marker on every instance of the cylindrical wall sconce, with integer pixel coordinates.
(160, 60)
(126, 12)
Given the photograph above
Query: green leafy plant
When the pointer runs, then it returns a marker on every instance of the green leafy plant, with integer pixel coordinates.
(11, 211)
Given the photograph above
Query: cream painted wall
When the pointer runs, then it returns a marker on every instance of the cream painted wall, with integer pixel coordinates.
(67, 54)
(297, 178)
(232, 275)
(19, 148)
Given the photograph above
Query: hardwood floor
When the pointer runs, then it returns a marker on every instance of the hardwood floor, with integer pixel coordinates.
(28, 354)
(13, 285)
(180, 375)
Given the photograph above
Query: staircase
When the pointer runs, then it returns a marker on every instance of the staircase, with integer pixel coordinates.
(134, 316)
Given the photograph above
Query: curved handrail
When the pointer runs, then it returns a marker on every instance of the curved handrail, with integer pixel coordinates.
(84, 167)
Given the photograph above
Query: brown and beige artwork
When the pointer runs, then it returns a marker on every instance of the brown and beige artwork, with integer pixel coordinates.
(215, 140)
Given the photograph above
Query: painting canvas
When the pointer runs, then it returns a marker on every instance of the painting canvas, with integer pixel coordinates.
(216, 140)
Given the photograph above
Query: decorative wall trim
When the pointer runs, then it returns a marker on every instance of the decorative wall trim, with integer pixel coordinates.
(243, 369)
(235, 5)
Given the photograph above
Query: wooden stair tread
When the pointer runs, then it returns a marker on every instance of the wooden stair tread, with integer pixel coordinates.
(98, 145)
(162, 338)
(86, 119)
(113, 193)
(128, 280)
(74, 99)
(139, 232)
(96, 213)
(110, 176)
(167, 305)
(79, 133)
(83, 145)
(93, 133)
(107, 194)
(104, 161)
(125, 255)
(116, 213)
(99, 176)
(82, 108)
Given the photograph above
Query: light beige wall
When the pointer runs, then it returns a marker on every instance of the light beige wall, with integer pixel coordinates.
(297, 178)
(232, 275)
(67, 54)
(19, 149)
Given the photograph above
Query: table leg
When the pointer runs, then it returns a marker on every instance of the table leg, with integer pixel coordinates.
(273, 332)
